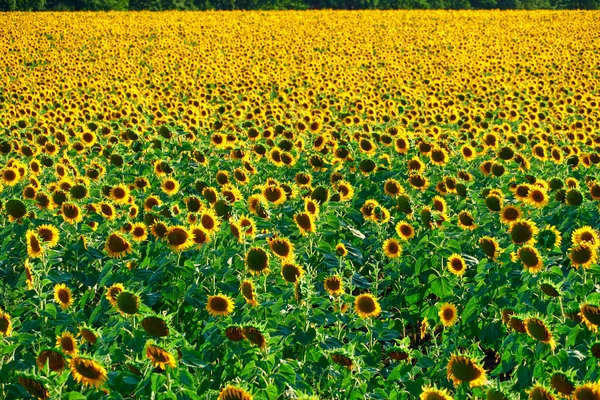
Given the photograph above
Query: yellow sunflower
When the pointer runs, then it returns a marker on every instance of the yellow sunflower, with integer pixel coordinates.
(234, 393)
(448, 314)
(334, 286)
(456, 264)
(247, 290)
(160, 357)
(34, 245)
(49, 234)
(463, 369)
(219, 305)
(392, 248)
(117, 246)
(367, 306)
(537, 329)
(586, 234)
(179, 238)
(305, 223)
(62, 296)
(405, 230)
(139, 231)
(88, 371)
(67, 343)
(5, 324)
(432, 393)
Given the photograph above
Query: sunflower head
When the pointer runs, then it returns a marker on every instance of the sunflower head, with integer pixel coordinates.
(537, 329)
(155, 326)
(128, 303)
(219, 305)
(34, 386)
(257, 261)
(583, 255)
(457, 265)
(234, 393)
(392, 248)
(255, 336)
(334, 286)
(5, 324)
(62, 296)
(433, 393)
(54, 358)
(117, 246)
(291, 272)
(448, 314)
(88, 371)
(367, 306)
(463, 369)
(160, 357)
(67, 343)
(562, 382)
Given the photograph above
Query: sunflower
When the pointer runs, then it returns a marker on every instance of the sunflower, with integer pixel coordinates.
(432, 393)
(119, 194)
(536, 328)
(463, 369)
(29, 278)
(88, 371)
(234, 393)
(112, 293)
(158, 229)
(562, 384)
(550, 237)
(10, 176)
(88, 335)
(117, 246)
(108, 211)
(255, 336)
(531, 259)
(588, 391)
(199, 236)
(139, 232)
(311, 207)
(367, 306)
(405, 230)
(489, 246)
(34, 246)
(274, 194)
(62, 295)
(345, 190)
(54, 358)
(590, 314)
(540, 393)
(456, 264)
(160, 357)
(418, 181)
(583, 255)
(169, 186)
(586, 234)
(392, 187)
(343, 360)
(448, 314)
(466, 221)
(5, 324)
(523, 231)
(334, 286)
(128, 303)
(257, 261)
(510, 214)
(151, 202)
(234, 333)
(179, 238)
(155, 326)
(247, 290)
(282, 248)
(67, 343)
(537, 197)
(209, 221)
(392, 248)
(305, 223)
(49, 234)
(291, 272)
(219, 305)
(341, 250)
(34, 386)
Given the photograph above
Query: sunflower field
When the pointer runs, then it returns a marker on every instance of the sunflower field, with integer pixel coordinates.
(300, 205)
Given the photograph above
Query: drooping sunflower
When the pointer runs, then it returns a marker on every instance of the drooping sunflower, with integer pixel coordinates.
(531, 259)
(151, 202)
(160, 357)
(456, 264)
(49, 234)
(155, 326)
(367, 306)
(219, 305)
(583, 255)
(489, 246)
(590, 314)
(466, 221)
(562, 383)
(34, 386)
(537, 329)
(433, 393)
(54, 358)
(29, 277)
(234, 393)
(247, 290)
(108, 211)
(549, 237)
(282, 248)
(257, 261)
(62, 296)
(539, 392)
(88, 371)
(112, 293)
(463, 369)
(88, 334)
(523, 231)
(179, 238)
(343, 360)
(34, 245)
(5, 324)
(586, 234)
(67, 343)
(448, 314)
(392, 248)
(305, 223)
(117, 246)
(255, 336)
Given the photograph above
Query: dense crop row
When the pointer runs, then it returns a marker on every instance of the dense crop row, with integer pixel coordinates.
(284, 205)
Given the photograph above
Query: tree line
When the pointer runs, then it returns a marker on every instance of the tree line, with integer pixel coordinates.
(156, 5)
